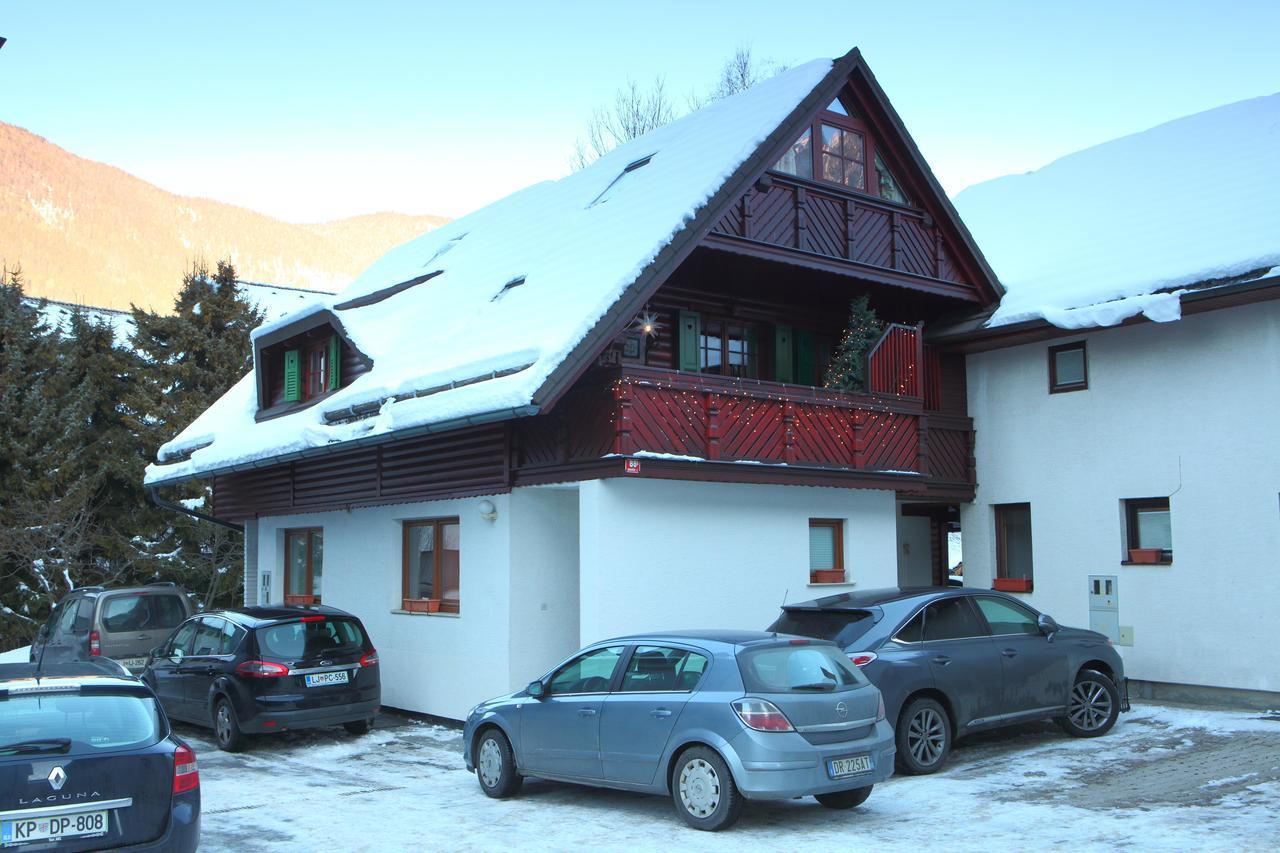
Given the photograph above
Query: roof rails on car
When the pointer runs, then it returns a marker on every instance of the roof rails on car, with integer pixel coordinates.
(94, 588)
(162, 583)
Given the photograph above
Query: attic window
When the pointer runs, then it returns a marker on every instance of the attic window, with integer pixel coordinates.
(844, 155)
(515, 282)
(837, 108)
(614, 185)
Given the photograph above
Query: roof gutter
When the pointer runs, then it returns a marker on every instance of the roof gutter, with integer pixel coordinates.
(383, 438)
(199, 516)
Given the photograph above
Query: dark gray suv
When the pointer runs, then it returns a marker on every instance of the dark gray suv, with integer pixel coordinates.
(954, 661)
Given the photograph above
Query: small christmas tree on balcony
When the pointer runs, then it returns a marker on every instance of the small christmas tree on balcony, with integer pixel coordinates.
(848, 369)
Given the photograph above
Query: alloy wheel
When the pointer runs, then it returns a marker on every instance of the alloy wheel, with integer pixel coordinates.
(926, 736)
(699, 788)
(490, 763)
(1090, 705)
(222, 723)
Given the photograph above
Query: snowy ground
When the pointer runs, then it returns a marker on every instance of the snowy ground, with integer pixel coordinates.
(21, 655)
(1165, 779)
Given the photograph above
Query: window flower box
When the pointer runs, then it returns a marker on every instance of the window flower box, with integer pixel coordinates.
(421, 605)
(300, 599)
(1012, 584)
(826, 576)
(1145, 555)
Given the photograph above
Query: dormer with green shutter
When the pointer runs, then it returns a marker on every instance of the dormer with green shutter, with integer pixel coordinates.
(302, 364)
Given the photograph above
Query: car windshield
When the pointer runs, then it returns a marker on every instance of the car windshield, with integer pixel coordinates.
(76, 724)
(302, 640)
(795, 668)
(142, 611)
(842, 627)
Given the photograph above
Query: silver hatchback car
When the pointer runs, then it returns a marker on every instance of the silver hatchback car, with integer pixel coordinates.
(708, 717)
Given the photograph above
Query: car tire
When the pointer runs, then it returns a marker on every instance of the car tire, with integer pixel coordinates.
(923, 737)
(226, 727)
(703, 790)
(844, 799)
(359, 727)
(496, 765)
(1093, 706)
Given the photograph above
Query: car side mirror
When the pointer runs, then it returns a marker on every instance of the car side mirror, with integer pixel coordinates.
(157, 652)
(536, 689)
(1048, 626)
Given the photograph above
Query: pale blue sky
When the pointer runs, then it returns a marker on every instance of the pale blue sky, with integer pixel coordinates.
(313, 110)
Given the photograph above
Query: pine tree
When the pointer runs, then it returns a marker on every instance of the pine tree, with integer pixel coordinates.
(848, 369)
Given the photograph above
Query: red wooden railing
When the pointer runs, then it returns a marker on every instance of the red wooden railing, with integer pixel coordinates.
(894, 363)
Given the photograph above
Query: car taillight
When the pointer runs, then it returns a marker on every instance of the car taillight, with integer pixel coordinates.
(880, 714)
(262, 669)
(185, 776)
(862, 658)
(95, 644)
(369, 658)
(761, 715)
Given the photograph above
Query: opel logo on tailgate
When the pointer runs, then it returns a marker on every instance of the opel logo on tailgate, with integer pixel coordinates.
(57, 778)
(842, 709)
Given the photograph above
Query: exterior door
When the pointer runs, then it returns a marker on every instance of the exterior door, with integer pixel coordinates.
(1036, 675)
(165, 677)
(639, 716)
(560, 733)
(963, 660)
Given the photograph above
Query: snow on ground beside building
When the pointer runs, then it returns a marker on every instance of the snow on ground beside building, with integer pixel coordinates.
(512, 288)
(1085, 240)
(1164, 779)
(21, 655)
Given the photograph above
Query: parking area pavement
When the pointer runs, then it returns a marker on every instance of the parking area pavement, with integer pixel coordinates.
(1167, 778)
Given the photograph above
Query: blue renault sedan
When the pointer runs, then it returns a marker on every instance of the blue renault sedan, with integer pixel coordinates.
(708, 717)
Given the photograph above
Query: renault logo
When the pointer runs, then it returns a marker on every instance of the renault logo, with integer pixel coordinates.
(57, 778)
(842, 709)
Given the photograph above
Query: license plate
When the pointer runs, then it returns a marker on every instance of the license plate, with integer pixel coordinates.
(132, 663)
(320, 679)
(840, 767)
(44, 828)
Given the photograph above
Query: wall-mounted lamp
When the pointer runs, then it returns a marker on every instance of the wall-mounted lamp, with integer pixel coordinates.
(488, 511)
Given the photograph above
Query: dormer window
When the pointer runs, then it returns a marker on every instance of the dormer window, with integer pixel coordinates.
(841, 157)
(296, 368)
(312, 369)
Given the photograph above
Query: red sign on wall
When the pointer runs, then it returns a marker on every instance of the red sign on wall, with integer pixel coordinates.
(631, 466)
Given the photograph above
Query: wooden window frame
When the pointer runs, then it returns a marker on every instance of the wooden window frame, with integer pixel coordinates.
(436, 569)
(750, 330)
(289, 533)
(1056, 387)
(1132, 506)
(1003, 581)
(837, 526)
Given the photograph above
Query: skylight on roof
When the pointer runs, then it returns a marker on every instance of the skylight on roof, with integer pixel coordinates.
(616, 184)
(515, 282)
(385, 292)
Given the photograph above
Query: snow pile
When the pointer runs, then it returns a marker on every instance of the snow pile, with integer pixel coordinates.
(1089, 239)
(520, 283)
(21, 655)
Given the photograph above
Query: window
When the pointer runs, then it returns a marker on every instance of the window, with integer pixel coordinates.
(1149, 525)
(302, 640)
(208, 639)
(432, 562)
(94, 723)
(1068, 370)
(303, 565)
(1005, 617)
(728, 348)
(913, 631)
(845, 147)
(313, 368)
(182, 642)
(653, 669)
(588, 673)
(797, 669)
(142, 612)
(1013, 543)
(826, 550)
(951, 619)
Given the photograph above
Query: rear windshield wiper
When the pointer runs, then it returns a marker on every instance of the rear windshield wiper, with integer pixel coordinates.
(816, 685)
(52, 744)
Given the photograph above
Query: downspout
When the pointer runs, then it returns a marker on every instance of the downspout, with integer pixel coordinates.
(167, 504)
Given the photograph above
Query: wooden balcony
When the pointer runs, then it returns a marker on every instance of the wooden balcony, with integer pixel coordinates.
(675, 421)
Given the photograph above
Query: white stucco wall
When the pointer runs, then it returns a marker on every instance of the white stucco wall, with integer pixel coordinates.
(1189, 410)
(544, 580)
(667, 554)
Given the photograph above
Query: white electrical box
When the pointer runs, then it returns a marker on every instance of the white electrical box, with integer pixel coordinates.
(1104, 606)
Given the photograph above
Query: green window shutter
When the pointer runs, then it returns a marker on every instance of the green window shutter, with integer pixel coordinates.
(690, 331)
(782, 355)
(292, 376)
(335, 362)
(805, 359)
(752, 367)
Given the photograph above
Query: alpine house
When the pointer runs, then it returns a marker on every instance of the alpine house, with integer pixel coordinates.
(599, 406)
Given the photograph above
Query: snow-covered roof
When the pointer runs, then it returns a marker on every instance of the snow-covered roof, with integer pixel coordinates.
(1109, 232)
(517, 286)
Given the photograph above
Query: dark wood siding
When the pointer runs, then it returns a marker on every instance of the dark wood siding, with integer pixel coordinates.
(462, 462)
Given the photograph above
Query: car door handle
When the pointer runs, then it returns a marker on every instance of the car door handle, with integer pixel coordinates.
(659, 712)
(942, 660)
(1009, 653)
(586, 712)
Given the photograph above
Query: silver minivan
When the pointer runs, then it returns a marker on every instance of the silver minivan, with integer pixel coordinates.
(121, 624)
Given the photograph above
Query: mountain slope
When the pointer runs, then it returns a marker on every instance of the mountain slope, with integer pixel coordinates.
(90, 233)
